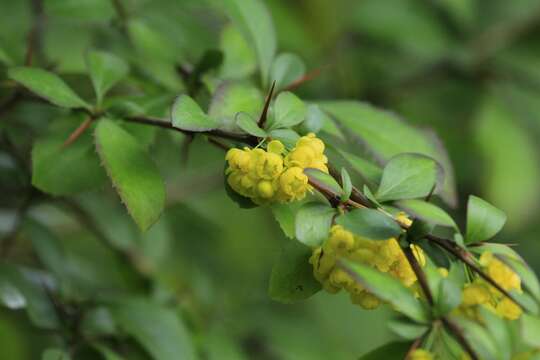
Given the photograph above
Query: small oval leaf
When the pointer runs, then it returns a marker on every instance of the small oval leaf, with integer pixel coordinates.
(187, 115)
(370, 223)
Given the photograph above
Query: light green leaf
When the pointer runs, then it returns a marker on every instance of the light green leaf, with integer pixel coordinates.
(347, 184)
(292, 275)
(313, 222)
(315, 119)
(286, 69)
(530, 330)
(407, 329)
(48, 86)
(255, 22)
(239, 59)
(369, 171)
(369, 223)
(289, 110)
(387, 289)
(287, 136)
(60, 170)
(427, 212)
(449, 296)
(387, 136)
(158, 329)
(324, 181)
(187, 115)
(132, 172)
(483, 220)
(408, 176)
(105, 71)
(285, 215)
(478, 337)
(249, 125)
(151, 43)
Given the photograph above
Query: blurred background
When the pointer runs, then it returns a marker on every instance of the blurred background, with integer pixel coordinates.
(468, 69)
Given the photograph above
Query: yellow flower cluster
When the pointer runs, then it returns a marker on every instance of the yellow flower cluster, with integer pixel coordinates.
(479, 292)
(420, 354)
(271, 175)
(386, 256)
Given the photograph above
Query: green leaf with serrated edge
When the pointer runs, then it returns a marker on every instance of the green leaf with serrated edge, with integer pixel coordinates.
(483, 220)
(393, 350)
(369, 223)
(289, 110)
(313, 221)
(427, 212)
(187, 115)
(323, 181)
(48, 86)
(370, 172)
(530, 330)
(32, 286)
(408, 176)
(287, 68)
(249, 125)
(285, 215)
(387, 289)
(60, 170)
(287, 136)
(255, 23)
(132, 172)
(166, 338)
(229, 99)
(292, 275)
(386, 136)
(239, 59)
(407, 329)
(346, 184)
(105, 71)
(55, 354)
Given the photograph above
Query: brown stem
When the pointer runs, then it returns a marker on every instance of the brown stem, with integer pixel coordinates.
(264, 113)
(457, 333)
(420, 274)
(307, 77)
(77, 132)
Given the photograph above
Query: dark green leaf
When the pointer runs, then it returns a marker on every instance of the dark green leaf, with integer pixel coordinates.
(370, 223)
(254, 20)
(408, 176)
(292, 276)
(322, 180)
(393, 350)
(418, 230)
(313, 222)
(286, 69)
(105, 71)
(483, 220)
(132, 172)
(55, 354)
(48, 86)
(289, 110)
(187, 115)
(159, 330)
(249, 125)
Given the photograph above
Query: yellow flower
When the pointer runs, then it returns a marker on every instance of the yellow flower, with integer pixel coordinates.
(293, 184)
(276, 147)
(476, 294)
(500, 272)
(508, 309)
(366, 300)
(340, 241)
(420, 354)
(339, 278)
(308, 153)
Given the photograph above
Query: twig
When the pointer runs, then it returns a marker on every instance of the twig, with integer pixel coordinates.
(458, 335)
(307, 77)
(264, 113)
(77, 132)
(420, 274)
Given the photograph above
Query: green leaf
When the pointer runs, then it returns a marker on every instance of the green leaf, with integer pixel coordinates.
(287, 136)
(386, 136)
(483, 220)
(499, 330)
(152, 44)
(393, 350)
(48, 86)
(105, 71)
(407, 329)
(369, 223)
(478, 337)
(55, 354)
(239, 59)
(132, 172)
(46, 246)
(255, 23)
(408, 176)
(60, 170)
(323, 181)
(369, 171)
(249, 125)
(315, 119)
(347, 185)
(285, 215)
(449, 296)
(313, 222)
(159, 330)
(427, 212)
(530, 330)
(292, 276)
(187, 115)
(286, 69)
(289, 110)
(387, 289)
(107, 353)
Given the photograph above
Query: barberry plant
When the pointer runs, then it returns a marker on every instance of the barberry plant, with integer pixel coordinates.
(359, 192)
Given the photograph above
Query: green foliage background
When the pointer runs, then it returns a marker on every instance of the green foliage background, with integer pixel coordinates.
(468, 69)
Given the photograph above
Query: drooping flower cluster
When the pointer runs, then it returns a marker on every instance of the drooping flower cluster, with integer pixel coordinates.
(481, 293)
(272, 175)
(386, 256)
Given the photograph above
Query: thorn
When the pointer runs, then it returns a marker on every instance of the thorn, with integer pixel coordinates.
(264, 113)
(307, 77)
(77, 132)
